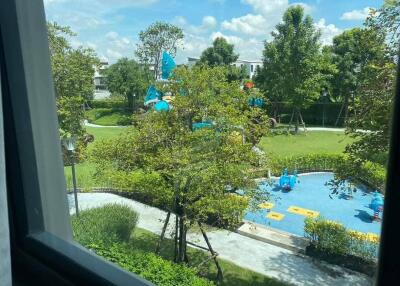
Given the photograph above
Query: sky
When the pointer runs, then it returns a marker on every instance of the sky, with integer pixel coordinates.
(111, 27)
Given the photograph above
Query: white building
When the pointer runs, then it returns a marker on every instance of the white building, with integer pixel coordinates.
(100, 90)
(251, 66)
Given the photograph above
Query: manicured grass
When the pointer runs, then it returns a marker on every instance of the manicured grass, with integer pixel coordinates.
(305, 143)
(233, 274)
(108, 116)
(104, 133)
(85, 170)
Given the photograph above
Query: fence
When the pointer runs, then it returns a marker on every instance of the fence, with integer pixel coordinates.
(318, 113)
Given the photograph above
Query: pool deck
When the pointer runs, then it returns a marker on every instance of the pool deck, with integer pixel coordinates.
(264, 258)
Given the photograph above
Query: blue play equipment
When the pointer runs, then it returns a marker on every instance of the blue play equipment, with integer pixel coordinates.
(256, 102)
(162, 105)
(152, 95)
(203, 124)
(376, 204)
(168, 64)
(287, 181)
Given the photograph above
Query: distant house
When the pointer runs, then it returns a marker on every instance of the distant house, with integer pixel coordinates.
(251, 66)
(99, 79)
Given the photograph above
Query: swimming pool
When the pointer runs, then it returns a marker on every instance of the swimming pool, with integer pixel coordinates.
(312, 194)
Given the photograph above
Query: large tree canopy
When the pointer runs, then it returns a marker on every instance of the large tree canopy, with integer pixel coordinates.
(129, 79)
(293, 65)
(154, 40)
(352, 51)
(221, 53)
(193, 171)
(73, 71)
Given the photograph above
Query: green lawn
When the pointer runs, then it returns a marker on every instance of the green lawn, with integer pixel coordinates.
(305, 143)
(109, 116)
(233, 274)
(105, 132)
(86, 169)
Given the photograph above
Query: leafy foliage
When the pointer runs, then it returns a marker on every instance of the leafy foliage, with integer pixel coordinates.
(220, 54)
(157, 38)
(186, 168)
(150, 266)
(73, 71)
(107, 224)
(294, 69)
(129, 79)
(333, 238)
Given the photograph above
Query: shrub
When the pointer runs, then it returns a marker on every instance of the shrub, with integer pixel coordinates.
(109, 223)
(333, 238)
(150, 266)
(311, 162)
(109, 103)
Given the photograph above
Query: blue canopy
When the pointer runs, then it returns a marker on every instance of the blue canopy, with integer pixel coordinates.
(168, 64)
(162, 105)
(152, 95)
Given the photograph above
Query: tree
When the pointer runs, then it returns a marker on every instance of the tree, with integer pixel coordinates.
(154, 40)
(352, 51)
(128, 78)
(373, 113)
(292, 62)
(192, 172)
(220, 54)
(73, 71)
(387, 20)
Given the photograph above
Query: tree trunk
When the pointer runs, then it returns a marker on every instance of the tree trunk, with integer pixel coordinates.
(345, 109)
(213, 253)
(297, 121)
(163, 233)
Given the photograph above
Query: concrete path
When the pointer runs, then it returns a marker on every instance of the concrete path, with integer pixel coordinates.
(246, 252)
(86, 123)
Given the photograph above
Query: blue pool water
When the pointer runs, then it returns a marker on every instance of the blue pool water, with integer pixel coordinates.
(311, 193)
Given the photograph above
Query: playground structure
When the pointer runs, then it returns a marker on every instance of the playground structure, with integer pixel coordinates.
(286, 181)
(376, 205)
(160, 102)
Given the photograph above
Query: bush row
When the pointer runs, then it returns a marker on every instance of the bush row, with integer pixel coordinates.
(106, 230)
(107, 224)
(333, 242)
(373, 174)
(108, 103)
(150, 266)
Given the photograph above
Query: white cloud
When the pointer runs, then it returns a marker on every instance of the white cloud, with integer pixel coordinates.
(356, 14)
(113, 55)
(328, 31)
(209, 22)
(249, 24)
(112, 35)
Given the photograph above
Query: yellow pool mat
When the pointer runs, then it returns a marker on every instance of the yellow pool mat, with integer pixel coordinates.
(304, 212)
(266, 205)
(275, 216)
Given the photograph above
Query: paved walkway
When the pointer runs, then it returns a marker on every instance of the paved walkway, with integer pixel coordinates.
(86, 123)
(246, 252)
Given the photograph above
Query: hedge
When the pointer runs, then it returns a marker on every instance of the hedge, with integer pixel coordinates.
(370, 173)
(107, 224)
(106, 230)
(108, 103)
(331, 241)
(150, 266)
